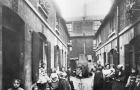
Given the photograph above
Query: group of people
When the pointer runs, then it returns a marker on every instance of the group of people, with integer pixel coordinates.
(108, 77)
(58, 80)
(113, 77)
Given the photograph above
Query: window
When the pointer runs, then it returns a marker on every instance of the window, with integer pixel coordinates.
(112, 25)
(96, 25)
(131, 3)
(71, 41)
(122, 17)
(70, 45)
(132, 10)
(38, 53)
(99, 39)
(70, 48)
(69, 26)
(94, 44)
(44, 8)
(57, 26)
(45, 5)
(57, 23)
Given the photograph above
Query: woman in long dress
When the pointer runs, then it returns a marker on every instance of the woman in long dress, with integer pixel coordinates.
(106, 74)
(98, 79)
(119, 82)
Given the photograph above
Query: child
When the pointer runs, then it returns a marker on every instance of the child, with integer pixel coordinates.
(16, 85)
(131, 80)
(137, 83)
(35, 87)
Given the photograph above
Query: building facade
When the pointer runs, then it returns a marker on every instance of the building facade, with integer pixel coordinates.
(117, 37)
(32, 32)
(82, 33)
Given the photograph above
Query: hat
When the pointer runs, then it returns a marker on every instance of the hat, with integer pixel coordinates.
(54, 77)
(120, 66)
(62, 75)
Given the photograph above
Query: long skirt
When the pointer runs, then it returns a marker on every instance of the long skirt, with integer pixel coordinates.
(107, 85)
(137, 88)
(118, 85)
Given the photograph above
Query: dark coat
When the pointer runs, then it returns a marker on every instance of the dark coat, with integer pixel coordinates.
(64, 84)
(98, 81)
(131, 82)
(137, 88)
(119, 82)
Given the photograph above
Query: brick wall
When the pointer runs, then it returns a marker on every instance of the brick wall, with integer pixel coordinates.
(78, 47)
(33, 23)
(81, 27)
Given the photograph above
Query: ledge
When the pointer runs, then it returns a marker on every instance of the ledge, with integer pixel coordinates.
(111, 34)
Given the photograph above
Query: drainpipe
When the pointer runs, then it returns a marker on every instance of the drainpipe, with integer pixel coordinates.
(118, 43)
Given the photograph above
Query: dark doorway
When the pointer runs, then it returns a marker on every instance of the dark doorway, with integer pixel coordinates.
(113, 57)
(73, 65)
(12, 47)
(128, 52)
(57, 57)
(11, 56)
(105, 58)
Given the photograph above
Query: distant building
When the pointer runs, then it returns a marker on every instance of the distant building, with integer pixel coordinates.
(32, 33)
(82, 41)
(118, 36)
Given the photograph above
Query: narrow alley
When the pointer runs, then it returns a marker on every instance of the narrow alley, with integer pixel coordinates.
(69, 45)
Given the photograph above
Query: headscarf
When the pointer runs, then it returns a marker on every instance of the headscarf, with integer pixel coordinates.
(54, 77)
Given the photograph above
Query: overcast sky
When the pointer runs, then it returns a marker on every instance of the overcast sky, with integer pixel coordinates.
(75, 8)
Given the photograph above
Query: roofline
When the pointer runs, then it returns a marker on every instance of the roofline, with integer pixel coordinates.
(65, 27)
(89, 18)
(107, 16)
(58, 14)
(89, 36)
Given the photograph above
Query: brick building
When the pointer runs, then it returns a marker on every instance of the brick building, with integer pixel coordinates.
(31, 32)
(118, 36)
(82, 31)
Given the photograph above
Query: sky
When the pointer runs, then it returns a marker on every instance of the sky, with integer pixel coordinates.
(75, 8)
